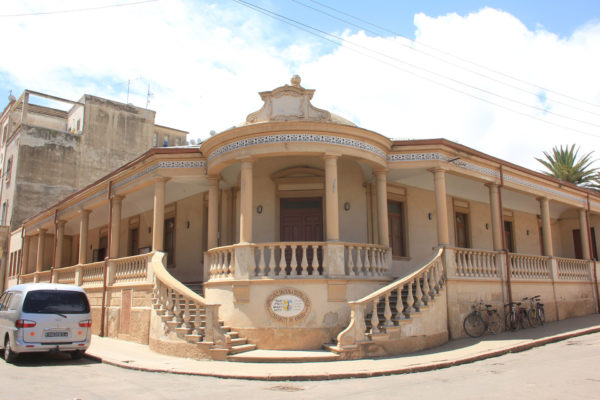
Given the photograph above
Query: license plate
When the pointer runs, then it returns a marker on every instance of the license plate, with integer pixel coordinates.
(56, 334)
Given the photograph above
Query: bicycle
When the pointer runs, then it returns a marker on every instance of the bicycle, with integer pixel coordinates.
(482, 320)
(511, 316)
(536, 312)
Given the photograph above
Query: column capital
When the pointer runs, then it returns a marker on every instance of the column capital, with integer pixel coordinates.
(213, 180)
(439, 169)
(543, 199)
(117, 198)
(160, 178)
(41, 230)
(84, 211)
(380, 173)
(60, 222)
(492, 185)
(331, 155)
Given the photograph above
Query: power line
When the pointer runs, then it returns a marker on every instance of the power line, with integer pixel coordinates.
(338, 40)
(451, 55)
(74, 10)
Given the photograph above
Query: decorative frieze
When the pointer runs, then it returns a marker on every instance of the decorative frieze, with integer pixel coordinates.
(297, 138)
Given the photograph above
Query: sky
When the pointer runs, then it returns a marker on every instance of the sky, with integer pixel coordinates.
(509, 78)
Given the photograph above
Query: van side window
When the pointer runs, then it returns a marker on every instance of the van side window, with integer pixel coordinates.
(4, 301)
(15, 300)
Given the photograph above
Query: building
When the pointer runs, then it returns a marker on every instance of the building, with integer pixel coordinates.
(47, 154)
(299, 224)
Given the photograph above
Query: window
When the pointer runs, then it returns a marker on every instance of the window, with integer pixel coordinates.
(177, 141)
(155, 142)
(508, 236)
(166, 141)
(396, 228)
(5, 133)
(462, 230)
(134, 241)
(8, 172)
(78, 125)
(4, 213)
(169, 241)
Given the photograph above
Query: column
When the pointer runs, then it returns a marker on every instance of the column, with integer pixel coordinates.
(83, 235)
(39, 262)
(25, 266)
(115, 226)
(439, 180)
(158, 224)
(213, 212)
(382, 210)
(331, 198)
(583, 231)
(60, 240)
(25, 107)
(496, 216)
(246, 202)
(546, 228)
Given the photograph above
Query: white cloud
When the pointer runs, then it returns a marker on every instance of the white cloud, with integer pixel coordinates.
(206, 62)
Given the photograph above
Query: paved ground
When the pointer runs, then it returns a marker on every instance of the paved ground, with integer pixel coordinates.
(564, 370)
(135, 356)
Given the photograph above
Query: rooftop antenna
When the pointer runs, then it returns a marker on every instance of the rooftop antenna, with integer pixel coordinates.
(149, 95)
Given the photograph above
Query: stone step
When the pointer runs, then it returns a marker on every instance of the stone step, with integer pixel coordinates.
(241, 348)
(284, 356)
(238, 341)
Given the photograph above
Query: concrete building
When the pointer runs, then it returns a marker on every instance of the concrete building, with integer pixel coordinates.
(47, 154)
(304, 230)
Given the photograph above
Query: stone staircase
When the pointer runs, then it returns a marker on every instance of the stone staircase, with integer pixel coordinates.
(188, 321)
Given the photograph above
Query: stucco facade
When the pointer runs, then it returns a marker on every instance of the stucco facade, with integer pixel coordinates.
(297, 224)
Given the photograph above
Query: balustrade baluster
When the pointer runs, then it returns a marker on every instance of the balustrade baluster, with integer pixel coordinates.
(304, 262)
(387, 312)
(426, 297)
(432, 290)
(360, 261)
(350, 262)
(261, 261)
(418, 293)
(375, 317)
(410, 300)
(176, 307)
(186, 314)
(271, 261)
(197, 321)
(282, 263)
(373, 262)
(294, 262)
(367, 261)
(399, 306)
(460, 263)
(168, 302)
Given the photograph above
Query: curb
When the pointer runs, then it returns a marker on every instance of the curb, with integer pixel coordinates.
(362, 374)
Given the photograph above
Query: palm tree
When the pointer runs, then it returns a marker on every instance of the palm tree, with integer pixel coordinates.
(564, 165)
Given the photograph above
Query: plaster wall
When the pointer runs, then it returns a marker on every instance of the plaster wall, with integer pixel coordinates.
(47, 121)
(329, 311)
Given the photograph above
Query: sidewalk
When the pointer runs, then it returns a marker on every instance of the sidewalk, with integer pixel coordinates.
(140, 357)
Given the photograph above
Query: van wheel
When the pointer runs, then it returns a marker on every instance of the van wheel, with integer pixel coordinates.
(9, 355)
(76, 355)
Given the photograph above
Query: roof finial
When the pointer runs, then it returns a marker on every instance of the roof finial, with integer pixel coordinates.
(296, 81)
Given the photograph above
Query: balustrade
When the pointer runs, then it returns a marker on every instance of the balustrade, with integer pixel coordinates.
(571, 269)
(393, 303)
(366, 260)
(220, 262)
(529, 267)
(130, 269)
(92, 275)
(476, 263)
(288, 259)
(65, 275)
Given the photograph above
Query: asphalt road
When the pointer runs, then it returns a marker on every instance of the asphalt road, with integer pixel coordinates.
(564, 370)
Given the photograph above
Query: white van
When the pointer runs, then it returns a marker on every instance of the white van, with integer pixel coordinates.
(37, 317)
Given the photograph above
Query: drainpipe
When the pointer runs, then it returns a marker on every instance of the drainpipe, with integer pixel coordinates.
(590, 245)
(20, 258)
(508, 282)
(55, 242)
(104, 283)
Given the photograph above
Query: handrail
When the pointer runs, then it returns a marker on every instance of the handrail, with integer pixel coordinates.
(378, 293)
(171, 291)
(427, 281)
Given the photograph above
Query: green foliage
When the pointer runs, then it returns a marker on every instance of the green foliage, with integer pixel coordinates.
(564, 165)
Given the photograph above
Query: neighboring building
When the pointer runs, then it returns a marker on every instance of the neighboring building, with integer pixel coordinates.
(298, 224)
(47, 153)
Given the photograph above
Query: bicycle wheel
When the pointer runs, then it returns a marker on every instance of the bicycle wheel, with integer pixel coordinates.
(533, 317)
(495, 323)
(542, 315)
(474, 325)
(523, 319)
(511, 321)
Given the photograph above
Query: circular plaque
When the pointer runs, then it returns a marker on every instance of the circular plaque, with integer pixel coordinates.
(287, 305)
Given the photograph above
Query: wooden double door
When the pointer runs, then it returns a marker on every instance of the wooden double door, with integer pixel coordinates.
(301, 220)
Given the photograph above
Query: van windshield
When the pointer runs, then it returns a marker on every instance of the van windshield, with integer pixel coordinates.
(55, 302)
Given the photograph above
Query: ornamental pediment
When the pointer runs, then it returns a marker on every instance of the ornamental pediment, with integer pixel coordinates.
(288, 103)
